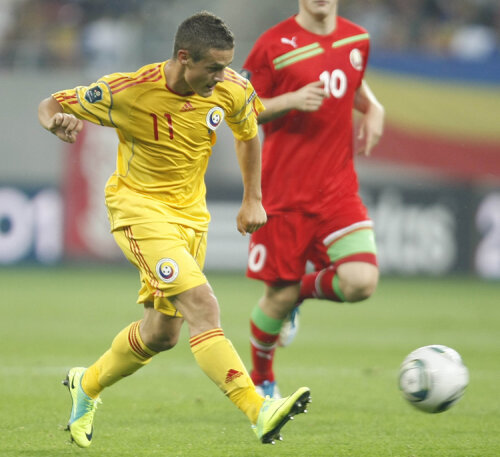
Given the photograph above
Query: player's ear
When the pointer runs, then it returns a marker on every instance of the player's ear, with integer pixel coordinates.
(183, 56)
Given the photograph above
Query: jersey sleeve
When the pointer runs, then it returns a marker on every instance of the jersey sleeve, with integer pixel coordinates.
(366, 54)
(95, 103)
(242, 120)
(258, 69)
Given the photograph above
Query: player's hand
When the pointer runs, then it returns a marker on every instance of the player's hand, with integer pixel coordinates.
(251, 216)
(371, 129)
(310, 97)
(65, 126)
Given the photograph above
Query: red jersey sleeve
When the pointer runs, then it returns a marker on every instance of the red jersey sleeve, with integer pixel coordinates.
(258, 69)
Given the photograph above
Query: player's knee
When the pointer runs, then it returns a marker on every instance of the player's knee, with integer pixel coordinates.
(358, 291)
(162, 342)
(361, 285)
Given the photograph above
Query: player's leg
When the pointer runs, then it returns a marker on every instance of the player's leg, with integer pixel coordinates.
(352, 274)
(277, 257)
(132, 348)
(179, 277)
(152, 250)
(344, 254)
(265, 326)
(129, 351)
(213, 352)
(357, 280)
(217, 357)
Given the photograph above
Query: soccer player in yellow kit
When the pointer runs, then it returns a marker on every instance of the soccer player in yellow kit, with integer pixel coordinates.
(166, 115)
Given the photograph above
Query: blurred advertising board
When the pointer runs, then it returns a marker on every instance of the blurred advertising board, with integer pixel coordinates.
(31, 225)
(421, 229)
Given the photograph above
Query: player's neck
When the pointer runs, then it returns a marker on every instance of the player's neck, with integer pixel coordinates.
(175, 78)
(317, 25)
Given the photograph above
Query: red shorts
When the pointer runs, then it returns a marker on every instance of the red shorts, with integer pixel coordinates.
(279, 251)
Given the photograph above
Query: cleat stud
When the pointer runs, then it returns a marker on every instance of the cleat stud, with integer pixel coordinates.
(280, 438)
(65, 382)
(291, 418)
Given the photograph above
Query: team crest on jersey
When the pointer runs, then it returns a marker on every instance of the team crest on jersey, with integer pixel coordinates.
(356, 59)
(214, 117)
(167, 269)
(94, 94)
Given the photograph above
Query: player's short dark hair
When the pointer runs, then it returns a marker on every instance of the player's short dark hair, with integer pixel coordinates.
(201, 32)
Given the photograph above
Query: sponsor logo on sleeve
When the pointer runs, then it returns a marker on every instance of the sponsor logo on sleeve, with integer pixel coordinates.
(252, 96)
(94, 94)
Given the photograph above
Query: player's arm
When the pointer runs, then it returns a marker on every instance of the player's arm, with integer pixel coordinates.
(251, 215)
(307, 98)
(52, 118)
(372, 124)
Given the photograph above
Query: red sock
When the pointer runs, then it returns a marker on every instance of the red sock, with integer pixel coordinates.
(319, 285)
(262, 346)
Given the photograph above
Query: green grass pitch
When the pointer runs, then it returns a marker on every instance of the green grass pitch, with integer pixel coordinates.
(349, 355)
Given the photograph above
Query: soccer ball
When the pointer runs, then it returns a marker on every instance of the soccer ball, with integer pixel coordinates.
(433, 378)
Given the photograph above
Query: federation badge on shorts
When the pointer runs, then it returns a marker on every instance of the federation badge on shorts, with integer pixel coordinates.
(356, 59)
(94, 94)
(167, 269)
(215, 117)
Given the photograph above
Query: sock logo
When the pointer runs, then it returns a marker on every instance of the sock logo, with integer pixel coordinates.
(264, 355)
(232, 375)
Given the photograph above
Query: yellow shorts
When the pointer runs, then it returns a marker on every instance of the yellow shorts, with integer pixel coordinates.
(169, 257)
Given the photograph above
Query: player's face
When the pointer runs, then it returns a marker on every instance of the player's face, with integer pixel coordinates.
(318, 8)
(203, 75)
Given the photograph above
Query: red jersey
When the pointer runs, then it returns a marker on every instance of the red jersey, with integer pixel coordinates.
(307, 162)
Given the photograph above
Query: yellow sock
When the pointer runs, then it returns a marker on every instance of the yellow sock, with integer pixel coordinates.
(219, 360)
(127, 354)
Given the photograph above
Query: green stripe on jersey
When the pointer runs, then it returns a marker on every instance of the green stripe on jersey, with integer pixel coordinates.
(352, 39)
(356, 242)
(305, 52)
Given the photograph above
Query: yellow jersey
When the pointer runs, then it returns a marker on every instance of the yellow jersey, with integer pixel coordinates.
(165, 140)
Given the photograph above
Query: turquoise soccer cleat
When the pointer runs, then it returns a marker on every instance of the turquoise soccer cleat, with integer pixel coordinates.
(80, 424)
(268, 389)
(289, 328)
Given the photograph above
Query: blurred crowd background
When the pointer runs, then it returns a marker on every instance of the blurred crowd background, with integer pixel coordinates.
(82, 33)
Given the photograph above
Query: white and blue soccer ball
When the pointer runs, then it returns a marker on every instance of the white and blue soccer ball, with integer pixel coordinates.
(433, 378)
